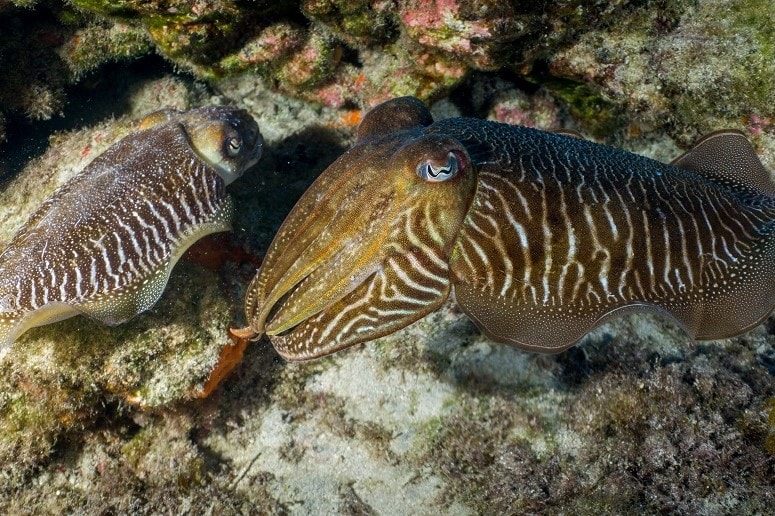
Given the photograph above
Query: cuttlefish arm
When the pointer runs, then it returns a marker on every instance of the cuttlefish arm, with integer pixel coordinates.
(541, 236)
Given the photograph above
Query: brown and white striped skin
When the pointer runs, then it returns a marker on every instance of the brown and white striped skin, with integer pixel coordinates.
(557, 235)
(104, 244)
(366, 249)
(564, 233)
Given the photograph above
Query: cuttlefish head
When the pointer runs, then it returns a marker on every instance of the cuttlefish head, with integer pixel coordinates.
(224, 137)
(365, 251)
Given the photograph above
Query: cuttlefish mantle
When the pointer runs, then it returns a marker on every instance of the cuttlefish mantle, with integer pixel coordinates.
(104, 244)
(541, 236)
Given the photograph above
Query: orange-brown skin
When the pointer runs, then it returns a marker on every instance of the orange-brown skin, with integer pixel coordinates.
(543, 236)
(348, 232)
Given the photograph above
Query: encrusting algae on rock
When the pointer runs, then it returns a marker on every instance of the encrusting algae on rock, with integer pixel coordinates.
(693, 73)
(637, 417)
(365, 52)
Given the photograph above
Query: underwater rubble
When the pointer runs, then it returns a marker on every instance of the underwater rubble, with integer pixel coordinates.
(436, 417)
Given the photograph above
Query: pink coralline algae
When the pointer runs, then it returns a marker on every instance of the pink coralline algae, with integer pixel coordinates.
(475, 32)
(517, 108)
(311, 64)
(393, 72)
(758, 124)
(271, 45)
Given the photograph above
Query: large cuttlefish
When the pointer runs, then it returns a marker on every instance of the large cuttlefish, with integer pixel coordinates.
(542, 237)
(105, 242)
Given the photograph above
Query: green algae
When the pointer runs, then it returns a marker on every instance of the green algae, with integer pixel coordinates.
(146, 448)
(21, 414)
(121, 8)
(769, 443)
(25, 4)
(640, 421)
(596, 113)
(705, 70)
(135, 449)
(753, 74)
(355, 22)
(185, 33)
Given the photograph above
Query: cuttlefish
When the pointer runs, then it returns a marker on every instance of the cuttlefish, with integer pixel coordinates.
(104, 244)
(541, 237)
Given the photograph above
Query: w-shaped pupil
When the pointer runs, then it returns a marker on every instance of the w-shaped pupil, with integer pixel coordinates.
(429, 172)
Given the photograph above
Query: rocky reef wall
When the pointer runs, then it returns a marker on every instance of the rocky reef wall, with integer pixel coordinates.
(436, 417)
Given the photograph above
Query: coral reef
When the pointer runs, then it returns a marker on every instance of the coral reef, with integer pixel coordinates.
(183, 30)
(712, 69)
(435, 418)
(670, 63)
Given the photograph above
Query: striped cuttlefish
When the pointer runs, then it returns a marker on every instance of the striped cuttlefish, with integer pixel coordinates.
(541, 236)
(105, 242)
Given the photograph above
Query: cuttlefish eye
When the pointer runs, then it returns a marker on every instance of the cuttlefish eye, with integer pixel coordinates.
(233, 145)
(434, 172)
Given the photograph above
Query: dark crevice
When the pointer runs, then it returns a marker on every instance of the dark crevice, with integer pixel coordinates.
(351, 56)
(489, 85)
(88, 103)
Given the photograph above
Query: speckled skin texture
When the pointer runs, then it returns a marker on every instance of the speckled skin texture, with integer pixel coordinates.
(104, 243)
(623, 235)
(542, 236)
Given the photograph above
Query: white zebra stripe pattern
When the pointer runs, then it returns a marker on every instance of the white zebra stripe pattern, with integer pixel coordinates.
(623, 231)
(105, 242)
(558, 235)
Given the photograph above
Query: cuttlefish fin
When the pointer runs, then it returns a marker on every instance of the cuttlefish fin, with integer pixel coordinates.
(13, 326)
(7, 335)
(117, 309)
(569, 132)
(400, 114)
(727, 157)
(536, 328)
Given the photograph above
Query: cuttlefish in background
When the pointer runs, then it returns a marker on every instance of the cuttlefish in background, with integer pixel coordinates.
(542, 237)
(104, 243)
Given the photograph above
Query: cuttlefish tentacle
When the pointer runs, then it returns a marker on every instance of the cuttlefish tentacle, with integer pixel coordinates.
(389, 290)
(104, 244)
(541, 236)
